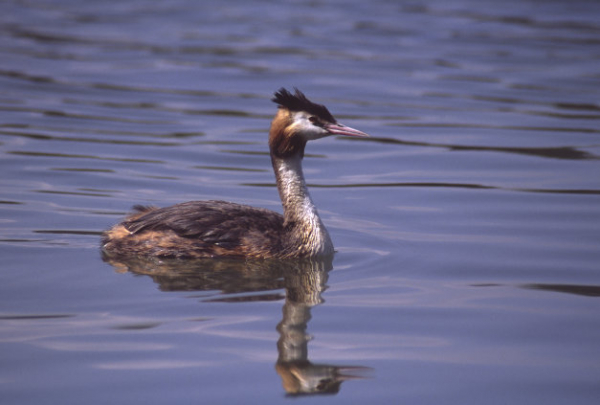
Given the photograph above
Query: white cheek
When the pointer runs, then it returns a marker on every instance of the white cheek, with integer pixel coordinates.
(309, 131)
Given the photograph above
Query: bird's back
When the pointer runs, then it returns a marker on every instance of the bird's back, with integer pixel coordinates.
(197, 229)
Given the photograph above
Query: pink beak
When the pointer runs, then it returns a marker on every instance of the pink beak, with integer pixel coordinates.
(339, 129)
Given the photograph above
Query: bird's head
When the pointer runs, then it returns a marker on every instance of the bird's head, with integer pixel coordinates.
(299, 120)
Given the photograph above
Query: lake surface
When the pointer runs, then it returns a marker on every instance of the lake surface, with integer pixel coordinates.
(467, 228)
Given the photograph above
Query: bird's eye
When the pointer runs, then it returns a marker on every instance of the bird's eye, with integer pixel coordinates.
(314, 120)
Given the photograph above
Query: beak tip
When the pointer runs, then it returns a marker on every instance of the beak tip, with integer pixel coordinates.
(339, 129)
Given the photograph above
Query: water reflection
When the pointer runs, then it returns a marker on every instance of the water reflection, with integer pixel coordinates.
(303, 281)
(304, 285)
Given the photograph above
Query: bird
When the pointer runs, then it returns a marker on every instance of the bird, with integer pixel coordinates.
(215, 229)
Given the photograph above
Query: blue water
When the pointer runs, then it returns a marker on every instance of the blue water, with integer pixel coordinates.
(467, 228)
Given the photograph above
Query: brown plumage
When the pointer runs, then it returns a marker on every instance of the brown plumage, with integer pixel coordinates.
(200, 229)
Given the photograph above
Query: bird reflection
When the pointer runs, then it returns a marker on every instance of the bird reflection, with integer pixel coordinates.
(303, 281)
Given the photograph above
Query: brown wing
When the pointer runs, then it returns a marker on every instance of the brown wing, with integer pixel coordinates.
(216, 222)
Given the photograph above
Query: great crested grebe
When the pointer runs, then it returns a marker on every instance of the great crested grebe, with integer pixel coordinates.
(203, 229)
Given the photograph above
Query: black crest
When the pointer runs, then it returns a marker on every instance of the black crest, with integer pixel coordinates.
(299, 102)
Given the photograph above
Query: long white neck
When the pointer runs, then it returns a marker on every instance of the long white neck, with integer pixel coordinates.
(302, 222)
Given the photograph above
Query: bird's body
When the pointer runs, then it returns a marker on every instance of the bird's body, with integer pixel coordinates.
(200, 229)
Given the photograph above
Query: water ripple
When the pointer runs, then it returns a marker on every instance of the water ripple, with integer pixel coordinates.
(561, 152)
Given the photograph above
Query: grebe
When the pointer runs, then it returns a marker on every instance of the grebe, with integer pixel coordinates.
(203, 229)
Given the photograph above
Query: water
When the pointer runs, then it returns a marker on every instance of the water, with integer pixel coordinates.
(467, 227)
